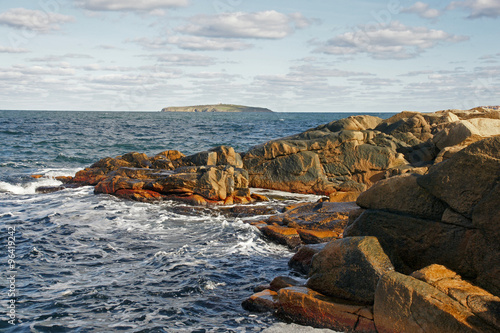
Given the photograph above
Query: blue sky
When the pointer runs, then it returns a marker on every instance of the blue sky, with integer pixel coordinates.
(132, 55)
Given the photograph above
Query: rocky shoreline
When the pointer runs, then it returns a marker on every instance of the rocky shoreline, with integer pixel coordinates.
(418, 250)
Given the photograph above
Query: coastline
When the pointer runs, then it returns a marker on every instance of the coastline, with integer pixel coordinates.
(133, 176)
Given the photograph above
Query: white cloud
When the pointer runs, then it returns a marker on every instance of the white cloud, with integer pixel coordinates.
(319, 71)
(262, 25)
(423, 10)
(196, 43)
(35, 20)
(185, 59)
(393, 41)
(54, 58)
(4, 49)
(152, 6)
(478, 8)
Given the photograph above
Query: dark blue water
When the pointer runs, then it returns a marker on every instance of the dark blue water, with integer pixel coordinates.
(87, 263)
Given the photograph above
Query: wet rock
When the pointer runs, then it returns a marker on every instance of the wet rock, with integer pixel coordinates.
(282, 235)
(138, 195)
(264, 301)
(281, 282)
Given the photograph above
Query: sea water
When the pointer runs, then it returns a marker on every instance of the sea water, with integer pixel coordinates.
(95, 263)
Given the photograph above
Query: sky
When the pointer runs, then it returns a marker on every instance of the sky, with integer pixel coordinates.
(286, 55)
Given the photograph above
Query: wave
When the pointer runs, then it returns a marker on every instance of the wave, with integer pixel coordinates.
(27, 188)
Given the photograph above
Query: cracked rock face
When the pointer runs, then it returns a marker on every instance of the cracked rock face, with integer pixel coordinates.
(448, 216)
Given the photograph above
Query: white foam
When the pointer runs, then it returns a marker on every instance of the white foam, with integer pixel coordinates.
(287, 195)
(294, 328)
(210, 285)
(27, 188)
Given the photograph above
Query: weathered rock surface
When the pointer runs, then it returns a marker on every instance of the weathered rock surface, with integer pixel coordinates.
(478, 301)
(308, 307)
(465, 238)
(352, 154)
(307, 223)
(211, 177)
(349, 268)
(406, 304)
(302, 259)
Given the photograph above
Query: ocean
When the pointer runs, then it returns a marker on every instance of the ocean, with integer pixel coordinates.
(81, 262)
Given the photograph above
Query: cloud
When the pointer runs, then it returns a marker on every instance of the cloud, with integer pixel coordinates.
(35, 20)
(423, 10)
(196, 43)
(318, 71)
(478, 8)
(4, 49)
(393, 41)
(55, 58)
(152, 6)
(260, 25)
(185, 59)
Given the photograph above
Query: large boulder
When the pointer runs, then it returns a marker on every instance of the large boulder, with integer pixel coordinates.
(406, 304)
(466, 237)
(402, 194)
(467, 177)
(349, 268)
(412, 242)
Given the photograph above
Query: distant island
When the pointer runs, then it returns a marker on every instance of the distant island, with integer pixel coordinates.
(215, 108)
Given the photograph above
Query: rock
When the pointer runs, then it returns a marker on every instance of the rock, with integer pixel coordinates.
(405, 304)
(259, 197)
(49, 189)
(139, 195)
(301, 260)
(486, 259)
(138, 160)
(317, 236)
(282, 235)
(341, 196)
(349, 268)
(227, 156)
(172, 155)
(64, 179)
(402, 194)
(222, 155)
(466, 237)
(201, 159)
(352, 123)
(264, 301)
(36, 176)
(313, 223)
(465, 132)
(464, 179)
(300, 172)
(307, 307)
(447, 153)
(281, 282)
(413, 243)
(476, 300)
